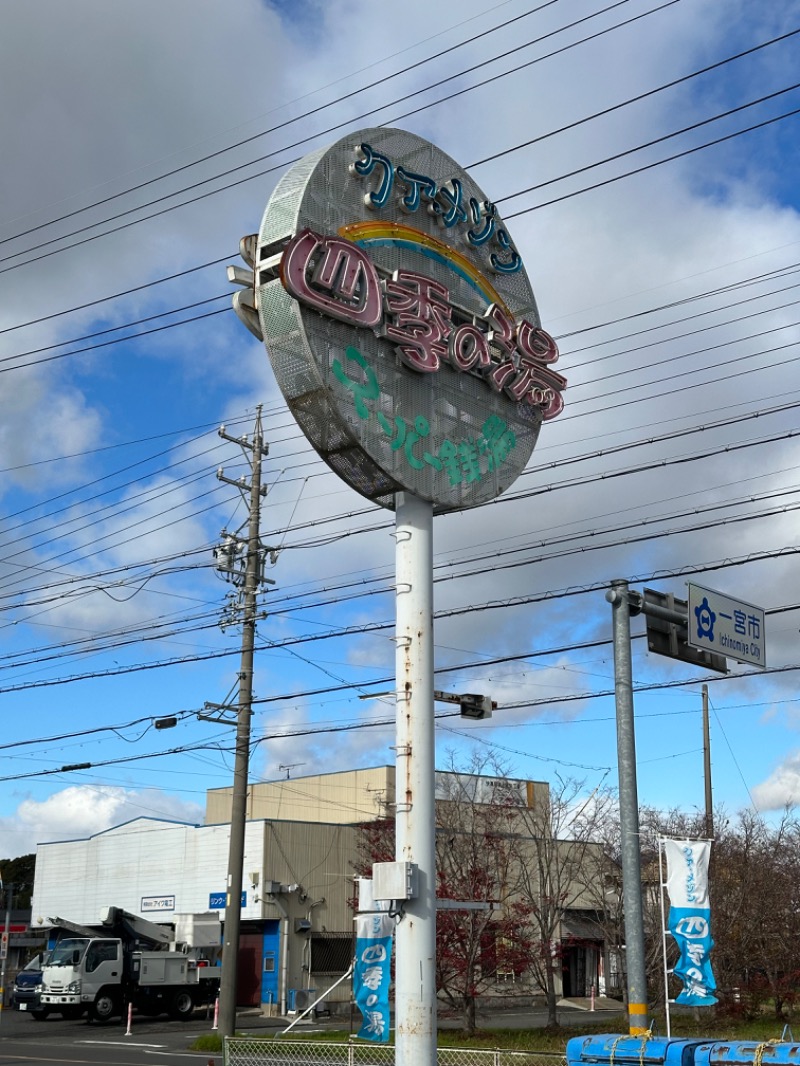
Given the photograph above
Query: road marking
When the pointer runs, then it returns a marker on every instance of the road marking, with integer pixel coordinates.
(118, 1043)
(39, 1058)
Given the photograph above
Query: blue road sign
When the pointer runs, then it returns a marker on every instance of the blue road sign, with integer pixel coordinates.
(720, 624)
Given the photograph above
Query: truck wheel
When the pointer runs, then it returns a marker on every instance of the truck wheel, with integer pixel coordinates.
(40, 1013)
(104, 1007)
(182, 1006)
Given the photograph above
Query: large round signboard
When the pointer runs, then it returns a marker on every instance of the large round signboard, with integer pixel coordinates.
(401, 324)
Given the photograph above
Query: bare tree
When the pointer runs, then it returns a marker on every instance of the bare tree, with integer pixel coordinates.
(755, 915)
(558, 855)
(607, 892)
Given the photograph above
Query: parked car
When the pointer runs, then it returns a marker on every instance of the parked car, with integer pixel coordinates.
(27, 985)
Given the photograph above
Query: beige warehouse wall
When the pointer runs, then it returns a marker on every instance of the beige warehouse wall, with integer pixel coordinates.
(346, 797)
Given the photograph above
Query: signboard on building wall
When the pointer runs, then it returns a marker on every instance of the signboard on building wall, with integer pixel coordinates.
(156, 904)
(400, 322)
(216, 900)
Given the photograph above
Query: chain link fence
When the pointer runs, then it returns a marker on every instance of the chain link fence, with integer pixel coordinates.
(245, 1051)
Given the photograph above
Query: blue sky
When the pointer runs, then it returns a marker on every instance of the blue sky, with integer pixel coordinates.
(672, 293)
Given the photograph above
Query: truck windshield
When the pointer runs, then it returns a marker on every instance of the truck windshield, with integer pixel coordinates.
(64, 953)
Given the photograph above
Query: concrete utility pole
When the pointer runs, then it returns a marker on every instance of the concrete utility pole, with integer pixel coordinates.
(252, 577)
(707, 767)
(618, 597)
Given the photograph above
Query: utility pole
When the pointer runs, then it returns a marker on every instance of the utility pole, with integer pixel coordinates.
(707, 767)
(234, 552)
(4, 945)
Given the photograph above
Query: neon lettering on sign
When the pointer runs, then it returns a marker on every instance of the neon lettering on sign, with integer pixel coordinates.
(465, 461)
(343, 282)
(443, 201)
(334, 276)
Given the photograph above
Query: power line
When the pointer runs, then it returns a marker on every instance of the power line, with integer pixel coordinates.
(650, 166)
(564, 484)
(389, 722)
(377, 627)
(273, 129)
(92, 580)
(321, 133)
(285, 163)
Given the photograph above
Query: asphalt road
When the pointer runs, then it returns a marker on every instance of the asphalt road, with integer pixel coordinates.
(54, 1040)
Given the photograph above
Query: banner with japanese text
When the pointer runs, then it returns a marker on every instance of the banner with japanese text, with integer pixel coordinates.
(371, 975)
(689, 918)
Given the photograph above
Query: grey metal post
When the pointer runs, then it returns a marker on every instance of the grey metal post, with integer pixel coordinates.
(415, 971)
(233, 902)
(628, 809)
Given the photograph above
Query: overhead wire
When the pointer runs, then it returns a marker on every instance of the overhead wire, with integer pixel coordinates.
(732, 504)
(385, 78)
(331, 129)
(320, 133)
(563, 484)
(592, 533)
(454, 612)
(198, 318)
(390, 723)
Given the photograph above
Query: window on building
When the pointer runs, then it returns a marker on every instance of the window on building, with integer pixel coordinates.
(331, 952)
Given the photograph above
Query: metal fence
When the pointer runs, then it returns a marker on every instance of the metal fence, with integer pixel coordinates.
(245, 1051)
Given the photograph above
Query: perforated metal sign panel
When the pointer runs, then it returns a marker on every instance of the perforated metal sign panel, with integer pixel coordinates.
(378, 259)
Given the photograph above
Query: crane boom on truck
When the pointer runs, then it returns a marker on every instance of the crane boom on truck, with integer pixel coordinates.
(124, 960)
(130, 926)
(72, 927)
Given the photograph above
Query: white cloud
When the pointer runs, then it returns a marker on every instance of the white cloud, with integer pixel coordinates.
(84, 810)
(781, 788)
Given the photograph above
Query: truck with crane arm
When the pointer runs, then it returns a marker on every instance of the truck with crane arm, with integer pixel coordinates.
(125, 960)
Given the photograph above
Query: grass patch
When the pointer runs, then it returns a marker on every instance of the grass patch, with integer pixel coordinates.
(207, 1042)
(684, 1024)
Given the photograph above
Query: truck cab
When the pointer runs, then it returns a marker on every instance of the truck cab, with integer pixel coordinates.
(76, 970)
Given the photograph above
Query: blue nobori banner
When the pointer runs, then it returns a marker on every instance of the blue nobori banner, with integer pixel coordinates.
(371, 975)
(690, 918)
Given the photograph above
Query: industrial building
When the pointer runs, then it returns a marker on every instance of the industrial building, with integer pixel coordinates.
(301, 856)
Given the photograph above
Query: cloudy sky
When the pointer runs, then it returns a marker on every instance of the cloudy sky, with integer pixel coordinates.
(646, 169)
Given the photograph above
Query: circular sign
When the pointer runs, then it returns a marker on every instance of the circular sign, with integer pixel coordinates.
(400, 322)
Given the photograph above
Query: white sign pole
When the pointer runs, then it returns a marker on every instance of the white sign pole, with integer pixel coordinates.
(661, 887)
(415, 970)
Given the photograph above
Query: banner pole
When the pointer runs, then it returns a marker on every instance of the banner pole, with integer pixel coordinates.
(661, 887)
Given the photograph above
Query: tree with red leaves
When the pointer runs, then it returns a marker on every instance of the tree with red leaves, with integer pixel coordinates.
(475, 863)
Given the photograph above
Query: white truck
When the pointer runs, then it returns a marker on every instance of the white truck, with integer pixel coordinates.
(125, 961)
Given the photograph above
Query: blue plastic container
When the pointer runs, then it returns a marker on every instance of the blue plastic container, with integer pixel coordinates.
(747, 1053)
(616, 1050)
